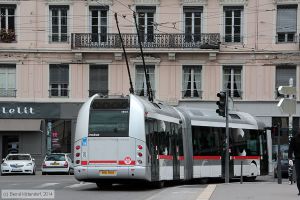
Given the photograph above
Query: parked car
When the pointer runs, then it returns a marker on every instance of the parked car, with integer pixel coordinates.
(57, 163)
(18, 164)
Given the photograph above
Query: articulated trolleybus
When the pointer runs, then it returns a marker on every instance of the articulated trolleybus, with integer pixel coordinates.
(125, 139)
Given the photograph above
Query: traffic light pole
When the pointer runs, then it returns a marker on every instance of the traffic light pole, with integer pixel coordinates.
(226, 142)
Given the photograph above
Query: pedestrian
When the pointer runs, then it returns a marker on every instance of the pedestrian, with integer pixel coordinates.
(294, 148)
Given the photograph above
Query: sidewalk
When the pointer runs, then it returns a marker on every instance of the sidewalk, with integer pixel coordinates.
(264, 188)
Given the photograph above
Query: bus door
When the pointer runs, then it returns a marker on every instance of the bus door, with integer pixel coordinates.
(175, 151)
(153, 149)
(264, 164)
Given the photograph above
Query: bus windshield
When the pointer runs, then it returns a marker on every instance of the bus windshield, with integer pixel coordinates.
(109, 123)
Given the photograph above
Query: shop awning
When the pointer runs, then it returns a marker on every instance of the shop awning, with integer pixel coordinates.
(20, 125)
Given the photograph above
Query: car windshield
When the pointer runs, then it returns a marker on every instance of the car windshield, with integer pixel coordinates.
(18, 157)
(56, 157)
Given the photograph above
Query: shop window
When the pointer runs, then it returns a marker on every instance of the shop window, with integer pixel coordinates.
(60, 136)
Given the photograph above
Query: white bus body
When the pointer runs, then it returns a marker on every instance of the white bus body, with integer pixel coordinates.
(129, 138)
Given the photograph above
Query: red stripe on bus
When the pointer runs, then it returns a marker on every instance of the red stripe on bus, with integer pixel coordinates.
(122, 162)
(181, 158)
(102, 162)
(84, 162)
(207, 157)
(165, 157)
(245, 157)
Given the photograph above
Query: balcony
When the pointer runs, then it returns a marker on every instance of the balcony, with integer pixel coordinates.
(8, 92)
(112, 40)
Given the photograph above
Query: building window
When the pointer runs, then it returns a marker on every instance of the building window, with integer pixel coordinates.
(233, 23)
(286, 23)
(98, 80)
(192, 20)
(283, 75)
(59, 23)
(7, 80)
(98, 22)
(145, 19)
(140, 80)
(191, 83)
(232, 80)
(7, 22)
(59, 80)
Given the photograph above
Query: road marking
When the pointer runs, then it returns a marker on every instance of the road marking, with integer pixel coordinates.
(46, 185)
(206, 194)
(78, 185)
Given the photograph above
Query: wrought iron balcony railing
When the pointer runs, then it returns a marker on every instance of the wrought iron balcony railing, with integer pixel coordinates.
(112, 40)
(8, 92)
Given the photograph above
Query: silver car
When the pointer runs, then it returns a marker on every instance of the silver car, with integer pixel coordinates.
(18, 164)
(57, 163)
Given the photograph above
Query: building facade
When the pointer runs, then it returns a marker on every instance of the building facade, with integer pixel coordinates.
(54, 54)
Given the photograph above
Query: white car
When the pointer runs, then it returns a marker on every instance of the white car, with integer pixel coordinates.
(57, 163)
(18, 163)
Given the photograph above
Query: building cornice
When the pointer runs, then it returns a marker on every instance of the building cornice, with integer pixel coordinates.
(194, 2)
(99, 2)
(286, 1)
(146, 2)
(10, 1)
(233, 2)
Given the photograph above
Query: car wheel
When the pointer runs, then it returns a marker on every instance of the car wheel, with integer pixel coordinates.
(44, 173)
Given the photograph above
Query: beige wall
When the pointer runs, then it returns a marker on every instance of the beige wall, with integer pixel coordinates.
(32, 53)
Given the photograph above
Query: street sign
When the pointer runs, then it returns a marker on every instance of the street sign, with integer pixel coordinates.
(288, 90)
(287, 105)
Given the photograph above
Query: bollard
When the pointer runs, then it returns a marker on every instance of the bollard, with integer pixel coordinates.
(241, 179)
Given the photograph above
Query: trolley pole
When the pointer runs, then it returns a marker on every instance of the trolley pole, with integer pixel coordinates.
(226, 141)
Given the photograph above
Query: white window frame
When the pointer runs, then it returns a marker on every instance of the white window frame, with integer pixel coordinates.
(232, 25)
(9, 91)
(144, 81)
(59, 26)
(193, 23)
(193, 81)
(232, 82)
(99, 23)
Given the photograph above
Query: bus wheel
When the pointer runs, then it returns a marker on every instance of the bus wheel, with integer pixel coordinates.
(250, 179)
(159, 184)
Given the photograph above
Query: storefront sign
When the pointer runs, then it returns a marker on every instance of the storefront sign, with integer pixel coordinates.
(17, 110)
(30, 110)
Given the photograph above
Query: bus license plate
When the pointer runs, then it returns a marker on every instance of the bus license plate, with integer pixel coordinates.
(108, 173)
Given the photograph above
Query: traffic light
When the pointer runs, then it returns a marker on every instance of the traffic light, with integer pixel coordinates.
(221, 104)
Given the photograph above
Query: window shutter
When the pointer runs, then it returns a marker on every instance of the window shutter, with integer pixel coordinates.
(99, 77)
(59, 7)
(145, 9)
(283, 75)
(99, 8)
(192, 9)
(286, 19)
(59, 74)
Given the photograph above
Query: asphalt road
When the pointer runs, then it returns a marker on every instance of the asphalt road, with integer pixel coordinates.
(65, 187)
